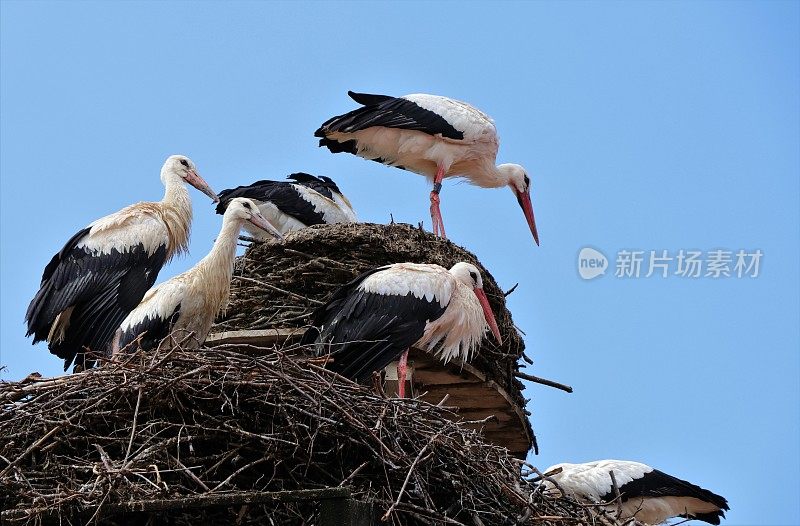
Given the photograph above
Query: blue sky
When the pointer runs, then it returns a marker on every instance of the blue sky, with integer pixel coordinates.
(645, 126)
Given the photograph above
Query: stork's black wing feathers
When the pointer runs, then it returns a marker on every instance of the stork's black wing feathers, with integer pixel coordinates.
(365, 331)
(323, 185)
(382, 110)
(280, 193)
(331, 184)
(100, 288)
(151, 330)
(365, 99)
(249, 191)
(659, 484)
(62, 254)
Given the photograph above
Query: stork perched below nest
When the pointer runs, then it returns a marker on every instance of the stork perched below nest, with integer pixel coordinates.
(278, 285)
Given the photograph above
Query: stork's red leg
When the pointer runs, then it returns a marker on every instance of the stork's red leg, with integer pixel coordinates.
(436, 214)
(402, 369)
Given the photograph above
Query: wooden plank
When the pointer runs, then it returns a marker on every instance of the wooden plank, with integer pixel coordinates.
(260, 338)
(474, 398)
(503, 417)
(347, 512)
(196, 501)
(441, 377)
(477, 399)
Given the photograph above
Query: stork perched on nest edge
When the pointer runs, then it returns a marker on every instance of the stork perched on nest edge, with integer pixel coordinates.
(649, 495)
(187, 304)
(377, 317)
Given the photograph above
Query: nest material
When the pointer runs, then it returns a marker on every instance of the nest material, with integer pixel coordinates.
(279, 284)
(182, 426)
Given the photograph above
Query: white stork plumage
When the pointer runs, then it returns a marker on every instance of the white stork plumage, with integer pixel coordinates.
(649, 495)
(186, 305)
(377, 317)
(433, 136)
(103, 271)
(302, 201)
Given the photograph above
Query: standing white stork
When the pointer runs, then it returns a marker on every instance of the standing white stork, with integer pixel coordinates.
(186, 305)
(647, 494)
(302, 201)
(371, 321)
(433, 136)
(103, 271)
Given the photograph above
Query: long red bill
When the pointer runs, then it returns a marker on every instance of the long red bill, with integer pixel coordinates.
(524, 199)
(488, 314)
(198, 182)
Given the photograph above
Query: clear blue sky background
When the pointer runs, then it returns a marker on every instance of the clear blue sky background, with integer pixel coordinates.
(649, 126)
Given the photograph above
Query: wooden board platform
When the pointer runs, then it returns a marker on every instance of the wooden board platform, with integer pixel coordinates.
(261, 338)
(467, 389)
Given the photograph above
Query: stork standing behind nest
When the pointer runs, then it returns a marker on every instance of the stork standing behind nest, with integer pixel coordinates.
(104, 270)
(306, 200)
(430, 135)
(186, 305)
(649, 495)
(377, 317)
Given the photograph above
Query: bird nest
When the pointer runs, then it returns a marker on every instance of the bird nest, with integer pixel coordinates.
(277, 285)
(225, 436)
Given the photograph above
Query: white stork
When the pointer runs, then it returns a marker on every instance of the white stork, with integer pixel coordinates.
(303, 201)
(103, 271)
(377, 317)
(433, 136)
(186, 305)
(647, 494)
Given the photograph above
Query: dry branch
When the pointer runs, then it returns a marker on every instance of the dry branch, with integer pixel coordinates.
(278, 284)
(130, 438)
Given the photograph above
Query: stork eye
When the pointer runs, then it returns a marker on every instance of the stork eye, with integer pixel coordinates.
(184, 162)
(527, 181)
(247, 205)
(474, 276)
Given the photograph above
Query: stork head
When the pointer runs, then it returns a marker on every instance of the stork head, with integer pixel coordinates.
(469, 275)
(184, 168)
(243, 209)
(520, 184)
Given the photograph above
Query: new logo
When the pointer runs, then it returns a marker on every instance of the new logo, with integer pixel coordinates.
(591, 263)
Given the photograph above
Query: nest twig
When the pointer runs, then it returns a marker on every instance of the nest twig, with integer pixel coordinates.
(167, 430)
(278, 284)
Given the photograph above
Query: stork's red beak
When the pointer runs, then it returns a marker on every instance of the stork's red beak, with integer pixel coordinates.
(198, 182)
(262, 223)
(488, 314)
(524, 199)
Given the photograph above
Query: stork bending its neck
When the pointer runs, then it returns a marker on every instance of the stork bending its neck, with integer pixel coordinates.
(186, 305)
(434, 136)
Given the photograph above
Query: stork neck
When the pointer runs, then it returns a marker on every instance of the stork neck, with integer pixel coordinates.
(500, 177)
(177, 209)
(213, 272)
(492, 177)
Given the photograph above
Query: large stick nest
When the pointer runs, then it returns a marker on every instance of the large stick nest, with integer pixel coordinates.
(99, 445)
(279, 284)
